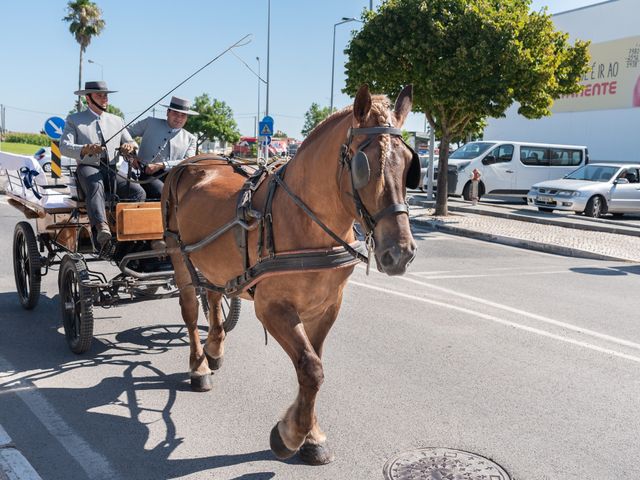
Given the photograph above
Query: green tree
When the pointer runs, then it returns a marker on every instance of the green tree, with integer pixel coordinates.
(214, 122)
(313, 117)
(468, 60)
(280, 134)
(110, 108)
(85, 22)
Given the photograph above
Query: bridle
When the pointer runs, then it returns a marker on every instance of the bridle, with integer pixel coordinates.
(358, 165)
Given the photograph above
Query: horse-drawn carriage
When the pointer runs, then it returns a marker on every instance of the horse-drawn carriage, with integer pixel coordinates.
(63, 240)
(280, 237)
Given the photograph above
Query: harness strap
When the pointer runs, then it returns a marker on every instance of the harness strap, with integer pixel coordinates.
(301, 204)
(395, 208)
(268, 216)
(375, 131)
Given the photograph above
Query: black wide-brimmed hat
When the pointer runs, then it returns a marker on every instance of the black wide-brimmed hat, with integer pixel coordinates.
(94, 87)
(180, 105)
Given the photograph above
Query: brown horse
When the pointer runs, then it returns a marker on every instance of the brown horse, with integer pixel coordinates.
(356, 153)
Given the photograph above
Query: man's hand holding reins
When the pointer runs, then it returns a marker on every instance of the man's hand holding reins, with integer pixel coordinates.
(153, 168)
(91, 149)
(128, 149)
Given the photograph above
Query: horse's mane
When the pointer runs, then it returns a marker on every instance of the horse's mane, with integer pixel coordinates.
(380, 107)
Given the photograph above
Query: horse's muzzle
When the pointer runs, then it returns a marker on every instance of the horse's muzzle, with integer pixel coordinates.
(395, 258)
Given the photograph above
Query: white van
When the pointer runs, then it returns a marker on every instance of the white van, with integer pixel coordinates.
(510, 168)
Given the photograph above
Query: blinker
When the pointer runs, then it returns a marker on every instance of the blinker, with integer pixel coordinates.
(360, 170)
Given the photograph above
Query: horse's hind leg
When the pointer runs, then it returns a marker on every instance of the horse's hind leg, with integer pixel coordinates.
(214, 346)
(199, 372)
(289, 434)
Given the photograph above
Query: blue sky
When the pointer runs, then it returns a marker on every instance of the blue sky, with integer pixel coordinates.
(149, 47)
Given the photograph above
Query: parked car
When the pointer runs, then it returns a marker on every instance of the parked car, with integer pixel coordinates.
(292, 149)
(43, 156)
(424, 168)
(509, 168)
(594, 189)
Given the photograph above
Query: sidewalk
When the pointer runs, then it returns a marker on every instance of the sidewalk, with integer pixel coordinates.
(519, 226)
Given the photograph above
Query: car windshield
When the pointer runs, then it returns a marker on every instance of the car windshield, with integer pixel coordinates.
(471, 150)
(593, 173)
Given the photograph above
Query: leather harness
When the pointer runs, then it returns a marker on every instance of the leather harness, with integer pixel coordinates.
(247, 218)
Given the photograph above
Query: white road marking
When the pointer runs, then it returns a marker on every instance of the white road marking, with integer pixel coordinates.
(94, 464)
(501, 321)
(523, 313)
(438, 276)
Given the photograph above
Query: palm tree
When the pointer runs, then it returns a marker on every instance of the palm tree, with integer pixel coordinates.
(85, 21)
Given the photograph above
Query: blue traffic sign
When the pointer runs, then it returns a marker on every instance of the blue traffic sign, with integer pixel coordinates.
(53, 127)
(265, 140)
(266, 126)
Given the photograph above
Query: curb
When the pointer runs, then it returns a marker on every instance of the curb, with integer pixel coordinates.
(549, 221)
(14, 465)
(516, 242)
(620, 229)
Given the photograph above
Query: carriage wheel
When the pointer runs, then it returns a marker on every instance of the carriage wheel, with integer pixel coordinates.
(26, 265)
(230, 312)
(76, 303)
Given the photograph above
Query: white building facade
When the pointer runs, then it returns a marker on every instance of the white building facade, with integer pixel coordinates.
(606, 115)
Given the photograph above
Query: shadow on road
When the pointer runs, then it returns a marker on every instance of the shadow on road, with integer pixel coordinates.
(609, 271)
(110, 416)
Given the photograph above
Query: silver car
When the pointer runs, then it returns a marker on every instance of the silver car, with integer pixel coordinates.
(43, 156)
(594, 189)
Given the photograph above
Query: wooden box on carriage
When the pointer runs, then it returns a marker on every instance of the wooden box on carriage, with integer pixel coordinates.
(139, 221)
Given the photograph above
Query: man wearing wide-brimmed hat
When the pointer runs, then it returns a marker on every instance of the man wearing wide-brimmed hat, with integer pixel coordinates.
(91, 137)
(164, 144)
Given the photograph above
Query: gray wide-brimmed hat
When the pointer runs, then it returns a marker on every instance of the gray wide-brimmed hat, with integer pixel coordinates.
(180, 105)
(94, 87)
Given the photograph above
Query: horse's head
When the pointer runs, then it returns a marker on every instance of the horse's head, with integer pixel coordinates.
(382, 166)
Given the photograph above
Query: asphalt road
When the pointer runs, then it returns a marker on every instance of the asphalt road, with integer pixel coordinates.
(526, 358)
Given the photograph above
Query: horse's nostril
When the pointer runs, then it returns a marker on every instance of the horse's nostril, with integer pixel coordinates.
(387, 259)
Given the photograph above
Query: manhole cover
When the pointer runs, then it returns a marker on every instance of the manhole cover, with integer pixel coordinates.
(442, 464)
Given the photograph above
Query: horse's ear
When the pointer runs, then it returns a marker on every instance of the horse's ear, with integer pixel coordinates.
(403, 105)
(362, 103)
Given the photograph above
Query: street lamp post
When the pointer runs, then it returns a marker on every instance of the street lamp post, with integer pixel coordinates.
(101, 69)
(259, 80)
(333, 57)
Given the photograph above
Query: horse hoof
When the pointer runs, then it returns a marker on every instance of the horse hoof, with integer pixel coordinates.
(201, 383)
(316, 454)
(214, 363)
(278, 447)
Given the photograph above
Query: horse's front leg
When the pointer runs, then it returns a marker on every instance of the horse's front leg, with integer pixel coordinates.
(214, 346)
(315, 449)
(283, 323)
(199, 372)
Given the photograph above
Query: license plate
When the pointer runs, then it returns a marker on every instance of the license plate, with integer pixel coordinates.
(543, 199)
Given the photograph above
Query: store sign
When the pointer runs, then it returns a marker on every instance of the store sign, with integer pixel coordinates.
(613, 79)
